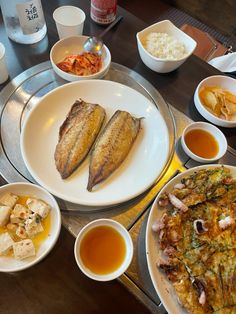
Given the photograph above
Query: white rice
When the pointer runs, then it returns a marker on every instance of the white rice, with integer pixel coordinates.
(164, 46)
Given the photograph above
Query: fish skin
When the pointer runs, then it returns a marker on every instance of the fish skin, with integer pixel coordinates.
(112, 146)
(77, 135)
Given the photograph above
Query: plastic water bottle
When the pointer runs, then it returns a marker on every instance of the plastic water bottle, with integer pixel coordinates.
(24, 20)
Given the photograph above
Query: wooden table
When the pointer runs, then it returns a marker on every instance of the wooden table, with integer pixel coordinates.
(56, 285)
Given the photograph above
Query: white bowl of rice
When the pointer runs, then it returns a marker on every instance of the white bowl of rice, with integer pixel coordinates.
(163, 47)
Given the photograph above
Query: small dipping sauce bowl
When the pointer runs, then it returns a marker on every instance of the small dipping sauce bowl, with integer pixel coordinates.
(103, 249)
(203, 142)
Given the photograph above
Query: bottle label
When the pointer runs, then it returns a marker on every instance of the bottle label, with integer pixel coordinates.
(30, 16)
(103, 11)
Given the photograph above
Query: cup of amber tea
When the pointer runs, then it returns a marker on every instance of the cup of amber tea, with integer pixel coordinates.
(103, 249)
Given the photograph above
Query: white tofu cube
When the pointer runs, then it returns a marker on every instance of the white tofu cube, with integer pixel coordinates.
(5, 212)
(33, 225)
(9, 199)
(14, 219)
(19, 213)
(12, 227)
(38, 206)
(21, 232)
(6, 243)
(23, 249)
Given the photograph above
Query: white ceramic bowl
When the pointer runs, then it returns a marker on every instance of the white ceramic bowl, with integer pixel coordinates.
(164, 65)
(214, 131)
(9, 263)
(129, 249)
(227, 83)
(74, 45)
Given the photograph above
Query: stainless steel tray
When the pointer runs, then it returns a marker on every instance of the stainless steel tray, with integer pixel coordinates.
(20, 95)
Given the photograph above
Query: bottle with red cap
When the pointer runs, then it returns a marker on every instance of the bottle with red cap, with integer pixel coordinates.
(103, 11)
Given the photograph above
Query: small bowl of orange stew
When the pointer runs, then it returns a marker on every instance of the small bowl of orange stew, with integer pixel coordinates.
(203, 142)
(215, 100)
(103, 249)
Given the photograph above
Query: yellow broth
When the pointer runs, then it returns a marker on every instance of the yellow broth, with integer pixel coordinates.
(38, 238)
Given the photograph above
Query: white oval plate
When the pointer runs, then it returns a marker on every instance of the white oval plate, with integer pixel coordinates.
(9, 263)
(162, 285)
(138, 172)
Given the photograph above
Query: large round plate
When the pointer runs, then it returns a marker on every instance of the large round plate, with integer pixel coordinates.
(138, 172)
(163, 287)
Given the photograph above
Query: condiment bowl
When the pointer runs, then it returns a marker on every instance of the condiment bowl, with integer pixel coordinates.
(226, 83)
(164, 65)
(127, 255)
(9, 263)
(74, 45)
(217, 135)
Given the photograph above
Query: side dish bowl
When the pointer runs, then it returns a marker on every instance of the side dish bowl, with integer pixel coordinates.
(164, 65)
(128, 249)
(216, 134)
(226, 83)
(9, 263)
(74, 45)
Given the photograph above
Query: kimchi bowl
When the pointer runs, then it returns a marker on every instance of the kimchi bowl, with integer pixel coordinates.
(72, 63)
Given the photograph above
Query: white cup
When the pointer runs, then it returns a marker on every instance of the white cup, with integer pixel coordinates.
(3, 67)
(128, 244)
(69, 21)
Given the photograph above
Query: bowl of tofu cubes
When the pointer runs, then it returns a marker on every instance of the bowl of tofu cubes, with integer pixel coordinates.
(30, 223)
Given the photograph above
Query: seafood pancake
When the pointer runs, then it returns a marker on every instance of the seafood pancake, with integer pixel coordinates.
(112, 146)
(77, 135)
(197, 238)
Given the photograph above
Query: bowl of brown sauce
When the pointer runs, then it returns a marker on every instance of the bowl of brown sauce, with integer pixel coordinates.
(203, 142)
(103, 249)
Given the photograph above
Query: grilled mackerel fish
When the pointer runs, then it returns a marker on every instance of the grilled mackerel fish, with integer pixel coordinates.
(77, 135)
(112, 146)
